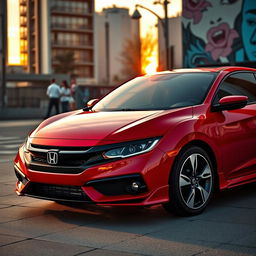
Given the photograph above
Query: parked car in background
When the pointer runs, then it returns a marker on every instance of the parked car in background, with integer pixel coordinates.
(171, 138)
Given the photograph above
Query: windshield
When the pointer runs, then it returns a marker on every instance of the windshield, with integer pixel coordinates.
(158, 92)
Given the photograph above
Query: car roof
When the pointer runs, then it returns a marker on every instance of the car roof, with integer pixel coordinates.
(207, 69)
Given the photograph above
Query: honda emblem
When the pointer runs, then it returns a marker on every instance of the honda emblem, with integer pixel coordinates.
(52, 157)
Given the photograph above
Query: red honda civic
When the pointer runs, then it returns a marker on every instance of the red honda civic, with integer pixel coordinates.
(171, 138)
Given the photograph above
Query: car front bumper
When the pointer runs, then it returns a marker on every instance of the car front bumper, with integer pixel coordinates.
(138, 180)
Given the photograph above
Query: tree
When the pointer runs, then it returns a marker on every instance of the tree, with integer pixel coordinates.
(134, 58)
(66, 63)
(130, 59)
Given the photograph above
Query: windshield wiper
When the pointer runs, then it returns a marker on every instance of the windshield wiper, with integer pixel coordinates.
(121, 109)
(127, 109)
(87, 108)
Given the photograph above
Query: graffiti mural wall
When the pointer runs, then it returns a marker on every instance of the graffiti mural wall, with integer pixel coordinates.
(218, 32)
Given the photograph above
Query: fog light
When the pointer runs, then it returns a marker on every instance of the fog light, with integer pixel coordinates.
(136, 186)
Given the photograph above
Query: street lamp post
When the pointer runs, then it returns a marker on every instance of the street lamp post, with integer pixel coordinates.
(165, 24)
(107, 52)
(166, 32)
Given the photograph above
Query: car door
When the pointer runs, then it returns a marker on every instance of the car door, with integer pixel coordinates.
(236, 129)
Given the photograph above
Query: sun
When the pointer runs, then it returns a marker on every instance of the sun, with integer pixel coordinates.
(150, 68)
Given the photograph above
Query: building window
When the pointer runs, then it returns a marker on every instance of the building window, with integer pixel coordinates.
(70, 6)
(70, 22)
(86, 71)
(71, 39)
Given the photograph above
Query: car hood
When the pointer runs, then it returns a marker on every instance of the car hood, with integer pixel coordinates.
(109, 126)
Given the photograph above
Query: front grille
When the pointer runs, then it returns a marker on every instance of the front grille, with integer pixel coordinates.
(57, 192)
(39, 159)
(71, 160)
(64, 159)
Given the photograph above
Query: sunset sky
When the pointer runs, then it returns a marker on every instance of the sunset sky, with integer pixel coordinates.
(148, 20)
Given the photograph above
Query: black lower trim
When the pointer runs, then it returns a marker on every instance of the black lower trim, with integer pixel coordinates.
(90, 183)
(20, 176)
(120, 185)
(54, 169)
(60, 199)
(57, 192)
(132, 201)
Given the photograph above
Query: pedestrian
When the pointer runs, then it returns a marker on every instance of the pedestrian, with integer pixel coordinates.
(53, 92)
(73, 97)
(65, 96)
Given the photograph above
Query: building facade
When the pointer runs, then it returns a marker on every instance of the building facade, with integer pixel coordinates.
(175, 41)
(56, 35)
(115, 28)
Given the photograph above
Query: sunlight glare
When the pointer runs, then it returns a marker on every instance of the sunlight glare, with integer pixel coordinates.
(13, 32)
(151, 68)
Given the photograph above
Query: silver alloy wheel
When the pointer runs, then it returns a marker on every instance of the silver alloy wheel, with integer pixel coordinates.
(195, 181)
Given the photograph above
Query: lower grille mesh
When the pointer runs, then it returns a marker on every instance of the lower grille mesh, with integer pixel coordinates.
(57, 192)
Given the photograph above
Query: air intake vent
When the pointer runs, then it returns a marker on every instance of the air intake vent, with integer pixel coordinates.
(57, 192)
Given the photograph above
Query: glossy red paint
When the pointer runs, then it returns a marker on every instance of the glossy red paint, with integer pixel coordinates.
(228, 136)
(233, 99)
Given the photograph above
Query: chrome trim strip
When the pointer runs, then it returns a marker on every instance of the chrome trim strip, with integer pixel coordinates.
(73, 152)
(19, 171)
(60, 151)
(37, 150)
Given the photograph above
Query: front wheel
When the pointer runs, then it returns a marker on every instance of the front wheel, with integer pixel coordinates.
(191, 182)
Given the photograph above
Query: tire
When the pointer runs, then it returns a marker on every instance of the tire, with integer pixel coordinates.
(191, 183)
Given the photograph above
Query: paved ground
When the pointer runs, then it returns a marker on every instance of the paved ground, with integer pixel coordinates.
(35, 227)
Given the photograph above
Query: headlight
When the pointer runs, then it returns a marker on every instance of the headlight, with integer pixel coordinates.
(132, 149)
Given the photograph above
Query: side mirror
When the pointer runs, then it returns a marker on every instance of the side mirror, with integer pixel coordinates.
(90, 104)
(230, 103)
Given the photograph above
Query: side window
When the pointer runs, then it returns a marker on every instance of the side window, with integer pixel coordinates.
(238, 84)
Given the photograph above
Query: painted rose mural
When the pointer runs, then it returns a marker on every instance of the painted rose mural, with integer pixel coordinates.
(193, 10)
(218, 31)
(220, 40)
